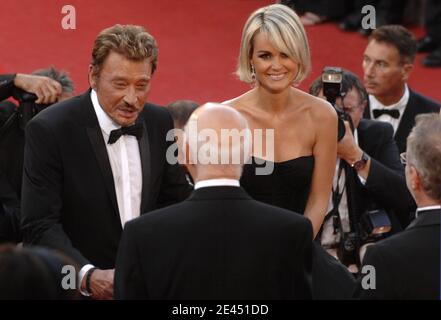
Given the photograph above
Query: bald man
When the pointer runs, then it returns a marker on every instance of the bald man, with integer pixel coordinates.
(218, 244)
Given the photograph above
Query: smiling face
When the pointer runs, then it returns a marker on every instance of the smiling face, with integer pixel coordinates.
(384, 72)
(275, 70)
(122, 87)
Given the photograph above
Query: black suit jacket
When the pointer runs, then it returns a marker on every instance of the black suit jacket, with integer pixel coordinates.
(6, 85)
(218, 244)
(385, 186)
(407, 265)
(68, 197)
(417, 104)
(11, 168)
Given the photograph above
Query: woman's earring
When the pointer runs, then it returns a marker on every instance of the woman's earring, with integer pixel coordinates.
(253, 74)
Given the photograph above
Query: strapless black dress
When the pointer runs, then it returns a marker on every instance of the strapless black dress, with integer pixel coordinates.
(286, 187)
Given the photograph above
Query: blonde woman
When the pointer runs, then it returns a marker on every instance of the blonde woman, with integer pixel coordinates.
(274, 57)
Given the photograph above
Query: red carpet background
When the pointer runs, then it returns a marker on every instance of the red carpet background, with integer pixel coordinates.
(198, 43)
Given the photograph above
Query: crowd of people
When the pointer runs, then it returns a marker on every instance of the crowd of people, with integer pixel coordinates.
(275, 194)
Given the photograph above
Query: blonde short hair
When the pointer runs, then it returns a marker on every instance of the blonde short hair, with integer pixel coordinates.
(286, 32)
(132, 41)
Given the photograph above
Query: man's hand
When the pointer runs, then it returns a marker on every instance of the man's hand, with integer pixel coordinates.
(101, 284)
(347, 149)
(350, 152)
(46, 89)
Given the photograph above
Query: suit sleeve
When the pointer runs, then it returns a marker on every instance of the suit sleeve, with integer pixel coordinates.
(375, 281)
(9, 212)
(386, 181)
(6, 85)
(129, 282)
(174, 186)
(42, 192)
(303, 282)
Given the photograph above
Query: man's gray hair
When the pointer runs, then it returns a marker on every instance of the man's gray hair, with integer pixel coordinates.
(424, 152)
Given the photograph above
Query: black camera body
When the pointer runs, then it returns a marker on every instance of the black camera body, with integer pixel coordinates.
(373, 226)
(28, 108)
(331, 79)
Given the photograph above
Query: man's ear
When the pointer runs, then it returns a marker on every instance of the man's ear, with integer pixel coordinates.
(406, 70)
(415, 179)
(92, 77)
(189, 161)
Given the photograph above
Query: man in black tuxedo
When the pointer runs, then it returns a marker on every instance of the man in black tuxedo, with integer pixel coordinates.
(219, 243)
(407, 265)
(370, 178)
(387, 64)
(98, 160)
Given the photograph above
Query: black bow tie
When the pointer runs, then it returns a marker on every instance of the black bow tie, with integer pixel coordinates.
(393, 113)
(135, 130)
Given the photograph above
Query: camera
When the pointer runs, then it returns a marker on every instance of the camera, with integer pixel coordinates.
(376, 223)
(347, 251)
(331, 79)
(373, 226)
(28, 108)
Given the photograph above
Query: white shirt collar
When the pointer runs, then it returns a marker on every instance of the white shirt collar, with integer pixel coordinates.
(400, 105)
(216, 183)
(105, 122)
(427, 208)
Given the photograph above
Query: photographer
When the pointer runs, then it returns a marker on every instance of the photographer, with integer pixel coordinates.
(12, 122)
(369, 176)
(46, 89)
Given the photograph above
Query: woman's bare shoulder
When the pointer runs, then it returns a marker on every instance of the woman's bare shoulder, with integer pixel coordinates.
(240, 101)
(319, 109)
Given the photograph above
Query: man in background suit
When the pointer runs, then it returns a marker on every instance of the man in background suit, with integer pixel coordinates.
(46, 89)
(12, 142)
(372, 180)
(407, 265)
(98, 160)
(219, 243)
(387, 64)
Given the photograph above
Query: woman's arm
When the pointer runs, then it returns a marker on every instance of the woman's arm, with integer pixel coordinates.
(324, 150)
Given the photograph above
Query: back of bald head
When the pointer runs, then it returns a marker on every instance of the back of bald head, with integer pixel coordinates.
(217, 117)
(222, 131)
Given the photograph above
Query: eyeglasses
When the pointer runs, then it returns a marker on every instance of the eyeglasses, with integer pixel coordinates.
(403, 158)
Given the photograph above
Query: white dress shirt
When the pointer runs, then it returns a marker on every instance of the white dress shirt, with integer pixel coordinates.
(125, 161)
(427, 208)
(400, 106)
(216, 183)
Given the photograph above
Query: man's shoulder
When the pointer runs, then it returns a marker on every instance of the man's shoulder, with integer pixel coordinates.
(189, 210)
(369, 129)
(374, 125)
(66, 110)
(424, 104)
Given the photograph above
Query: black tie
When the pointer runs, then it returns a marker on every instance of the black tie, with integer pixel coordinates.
(135, 130)
(393, 113)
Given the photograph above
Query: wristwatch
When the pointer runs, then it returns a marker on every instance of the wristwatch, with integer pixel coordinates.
(360, 164)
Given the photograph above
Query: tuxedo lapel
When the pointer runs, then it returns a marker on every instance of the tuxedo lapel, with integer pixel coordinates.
(144, 151)
(99, 148)
(407, 121)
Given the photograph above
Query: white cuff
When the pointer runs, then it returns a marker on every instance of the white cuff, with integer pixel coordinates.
(362, 180)
(81, 275)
